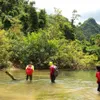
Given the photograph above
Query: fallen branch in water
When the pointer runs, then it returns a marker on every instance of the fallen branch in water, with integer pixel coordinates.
(11, 76)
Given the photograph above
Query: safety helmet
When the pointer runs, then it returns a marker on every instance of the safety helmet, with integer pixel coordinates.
(50, 63)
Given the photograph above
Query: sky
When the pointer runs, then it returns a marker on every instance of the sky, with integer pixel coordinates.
(85, 8)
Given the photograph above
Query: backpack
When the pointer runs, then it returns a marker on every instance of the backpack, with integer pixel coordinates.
(56, 72)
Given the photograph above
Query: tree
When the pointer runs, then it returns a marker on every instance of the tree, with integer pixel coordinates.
(4, 49)
(75, 16)
(42, 18)
(60, 23)
(25, 22)
(33, 19)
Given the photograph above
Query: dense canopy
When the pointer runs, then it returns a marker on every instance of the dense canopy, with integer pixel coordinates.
(27, 34)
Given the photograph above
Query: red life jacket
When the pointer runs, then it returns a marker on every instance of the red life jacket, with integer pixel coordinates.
(29, 70)
(52, 69)
(98, 76)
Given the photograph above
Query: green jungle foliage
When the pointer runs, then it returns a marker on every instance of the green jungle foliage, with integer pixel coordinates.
(30, 35)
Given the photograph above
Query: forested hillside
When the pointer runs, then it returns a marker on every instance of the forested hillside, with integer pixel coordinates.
(30, 35)
(90, 27)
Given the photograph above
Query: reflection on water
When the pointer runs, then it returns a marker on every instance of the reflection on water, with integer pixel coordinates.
(70, 85)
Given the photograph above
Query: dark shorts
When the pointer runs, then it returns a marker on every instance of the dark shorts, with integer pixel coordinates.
(29, 77)
(52, 78)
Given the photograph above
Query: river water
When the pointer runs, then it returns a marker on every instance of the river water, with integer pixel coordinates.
(70, 85)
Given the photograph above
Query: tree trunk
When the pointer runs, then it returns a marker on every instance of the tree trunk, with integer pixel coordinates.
(12, 77)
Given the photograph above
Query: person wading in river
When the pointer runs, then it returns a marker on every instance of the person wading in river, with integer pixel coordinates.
(53, 72)
(98, 77)
(29, 71)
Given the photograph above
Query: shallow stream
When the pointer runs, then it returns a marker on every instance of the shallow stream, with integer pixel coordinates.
(70, 85)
